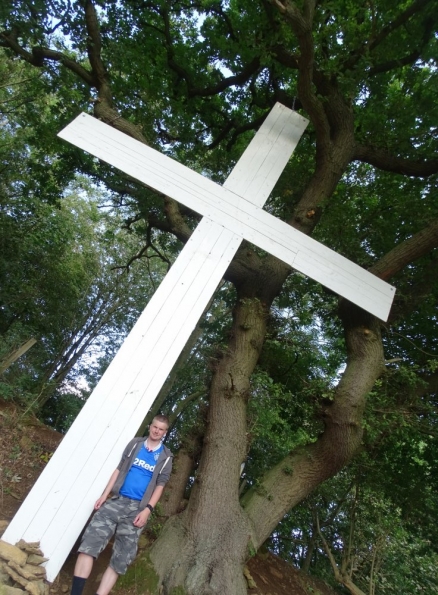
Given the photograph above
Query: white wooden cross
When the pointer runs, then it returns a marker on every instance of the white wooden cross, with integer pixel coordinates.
(60, 502)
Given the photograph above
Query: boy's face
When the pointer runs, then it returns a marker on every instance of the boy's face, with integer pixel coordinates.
(157, 430)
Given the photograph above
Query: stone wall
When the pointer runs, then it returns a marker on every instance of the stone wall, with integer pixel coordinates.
(21, 572)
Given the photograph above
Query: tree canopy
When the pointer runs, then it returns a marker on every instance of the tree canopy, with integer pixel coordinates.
(281, 375)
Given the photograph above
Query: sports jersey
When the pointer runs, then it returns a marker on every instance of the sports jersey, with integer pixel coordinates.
(140, 473)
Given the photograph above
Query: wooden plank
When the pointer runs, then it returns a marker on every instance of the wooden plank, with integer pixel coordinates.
(61, 500)
(257, 171)
(55, 521)
(152, 334)
(168, 287)
(10, 359)
(233, 211)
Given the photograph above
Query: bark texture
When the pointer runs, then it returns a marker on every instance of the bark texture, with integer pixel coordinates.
(202, 566)
(173, 499)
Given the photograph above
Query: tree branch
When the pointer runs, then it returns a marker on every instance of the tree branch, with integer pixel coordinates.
(341, 577)
(39, 54)
(386, 162)
(415, 294)
(395, 24)
(301, 24)
(243, 77)
(184, 403)
(393, 64)
(225, 83)
(418, 245)
(94, 48)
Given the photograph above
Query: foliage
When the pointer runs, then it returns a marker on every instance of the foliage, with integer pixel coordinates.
(63, 272)
(64, 282)
(378, 515)
(195, 79)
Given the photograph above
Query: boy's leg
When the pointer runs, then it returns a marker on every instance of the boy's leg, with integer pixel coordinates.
(126, 539)
(83, 566)
(108, 581)
(97, 534)
(77, 585)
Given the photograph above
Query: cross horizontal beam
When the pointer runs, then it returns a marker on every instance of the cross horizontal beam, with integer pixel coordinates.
(233, 211)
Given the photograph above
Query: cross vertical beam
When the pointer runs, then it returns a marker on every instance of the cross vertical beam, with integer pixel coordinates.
(60, 502)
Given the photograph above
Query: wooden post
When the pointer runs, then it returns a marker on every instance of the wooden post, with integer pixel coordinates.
(4, 365)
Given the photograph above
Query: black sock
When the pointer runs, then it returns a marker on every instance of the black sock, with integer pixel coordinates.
(77, 585)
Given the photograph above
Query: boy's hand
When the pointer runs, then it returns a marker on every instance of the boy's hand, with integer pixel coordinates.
(99, 502)
(142, 518)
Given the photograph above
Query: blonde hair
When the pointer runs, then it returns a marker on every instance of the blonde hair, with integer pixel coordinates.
(162, 418)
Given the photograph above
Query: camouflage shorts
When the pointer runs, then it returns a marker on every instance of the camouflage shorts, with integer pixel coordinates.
(116, 516)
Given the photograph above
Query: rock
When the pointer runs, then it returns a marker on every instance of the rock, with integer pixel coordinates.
(30, 548)
(43, 587)
(7, 590)
(36, 560)
(4, 576)
(3, 526)
(250, 581)
(10, 552)
(28, 571)
(15, 576)
(37, 571)
(32, 588)
(21, 571)
(65, 588)
(5, 579)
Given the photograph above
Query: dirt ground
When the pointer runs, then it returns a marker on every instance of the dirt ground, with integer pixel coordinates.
(26, 445)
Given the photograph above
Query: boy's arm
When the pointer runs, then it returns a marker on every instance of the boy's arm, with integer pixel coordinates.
(107, 490)
(142, 518)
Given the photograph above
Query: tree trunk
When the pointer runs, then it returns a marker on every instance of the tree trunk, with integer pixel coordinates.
(299, 473)
(173, 499)
(183, 466)
(204, 549)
